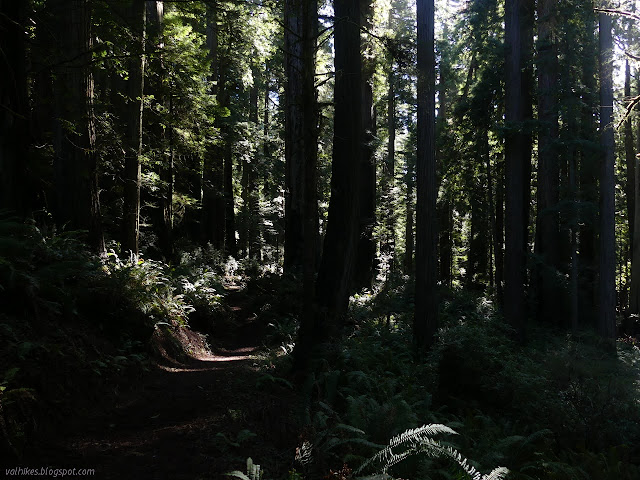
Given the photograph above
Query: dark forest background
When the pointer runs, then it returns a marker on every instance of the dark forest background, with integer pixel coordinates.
(416, 213)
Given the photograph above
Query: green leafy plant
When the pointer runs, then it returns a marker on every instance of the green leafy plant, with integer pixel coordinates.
(254, 472)
(420, 441)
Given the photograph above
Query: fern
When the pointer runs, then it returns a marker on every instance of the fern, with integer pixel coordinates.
(419, 440)
(254, 472)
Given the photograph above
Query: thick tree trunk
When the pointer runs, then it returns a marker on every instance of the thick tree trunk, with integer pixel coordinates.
(132, 166)
(528, 85)
(516, 157)
(300, 127)
(607, 255)
(547, 231)
(364, 269)
(634, 298)
(14, 116)
(588, 174)
(335, 275)
(75, 161)
(425, 321)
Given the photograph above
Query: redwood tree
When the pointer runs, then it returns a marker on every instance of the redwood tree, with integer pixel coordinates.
(516, 156)
(426, 310)
(607, 262)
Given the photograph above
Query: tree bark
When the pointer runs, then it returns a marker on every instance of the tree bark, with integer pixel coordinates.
(14, 117)
(75, 161)
(301, 121)
(213, 203)
(547, 231)
(630, 160)
(607, 261)
(634, 300)
(588, 174)
(364, 269)
(498, 233)
(389, 246)
(426, 309)
(515, 160)
(335, 275)
(408, 231)
(132, 166)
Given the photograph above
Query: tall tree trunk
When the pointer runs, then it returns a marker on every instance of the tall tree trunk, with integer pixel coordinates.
(166, 199)
(213, 203)
(364, 269)
(408, 231)
(490, 240)
(445, 242)
(630, 157)
(132, 166)
(14, 102)
(75, 156)
(498, 233)
(252, 201)
(163, 138)
(607, 263)
(335, 275)
(574, 219)
(425, 321)
(388, 171)
(515, 160)
(268, 192)
(230, 246)
(634, 294)
(634, 300)
(300, 120)
(588, 174)
(547, 231)
(246, 218)
(527, 19)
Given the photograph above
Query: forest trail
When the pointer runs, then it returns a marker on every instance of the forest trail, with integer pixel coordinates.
(192, 419)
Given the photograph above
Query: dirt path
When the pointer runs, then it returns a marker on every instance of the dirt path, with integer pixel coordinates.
(195, 419)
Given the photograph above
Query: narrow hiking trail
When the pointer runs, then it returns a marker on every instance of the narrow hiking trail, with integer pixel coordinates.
(197, 418)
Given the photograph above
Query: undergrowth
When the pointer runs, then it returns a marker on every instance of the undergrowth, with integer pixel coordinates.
(71, 321)
(558, 408)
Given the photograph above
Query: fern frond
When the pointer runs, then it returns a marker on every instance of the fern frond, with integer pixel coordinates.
(419, 440)
(349, 428)
(497, 474)
(237, 474)
(410, 438)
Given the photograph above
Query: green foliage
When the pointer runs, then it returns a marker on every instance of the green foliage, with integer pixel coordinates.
(68, 318)
(254, 472)
(420, 441)
(557, 408)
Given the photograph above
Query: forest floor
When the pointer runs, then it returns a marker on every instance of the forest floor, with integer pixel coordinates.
(194, 418)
